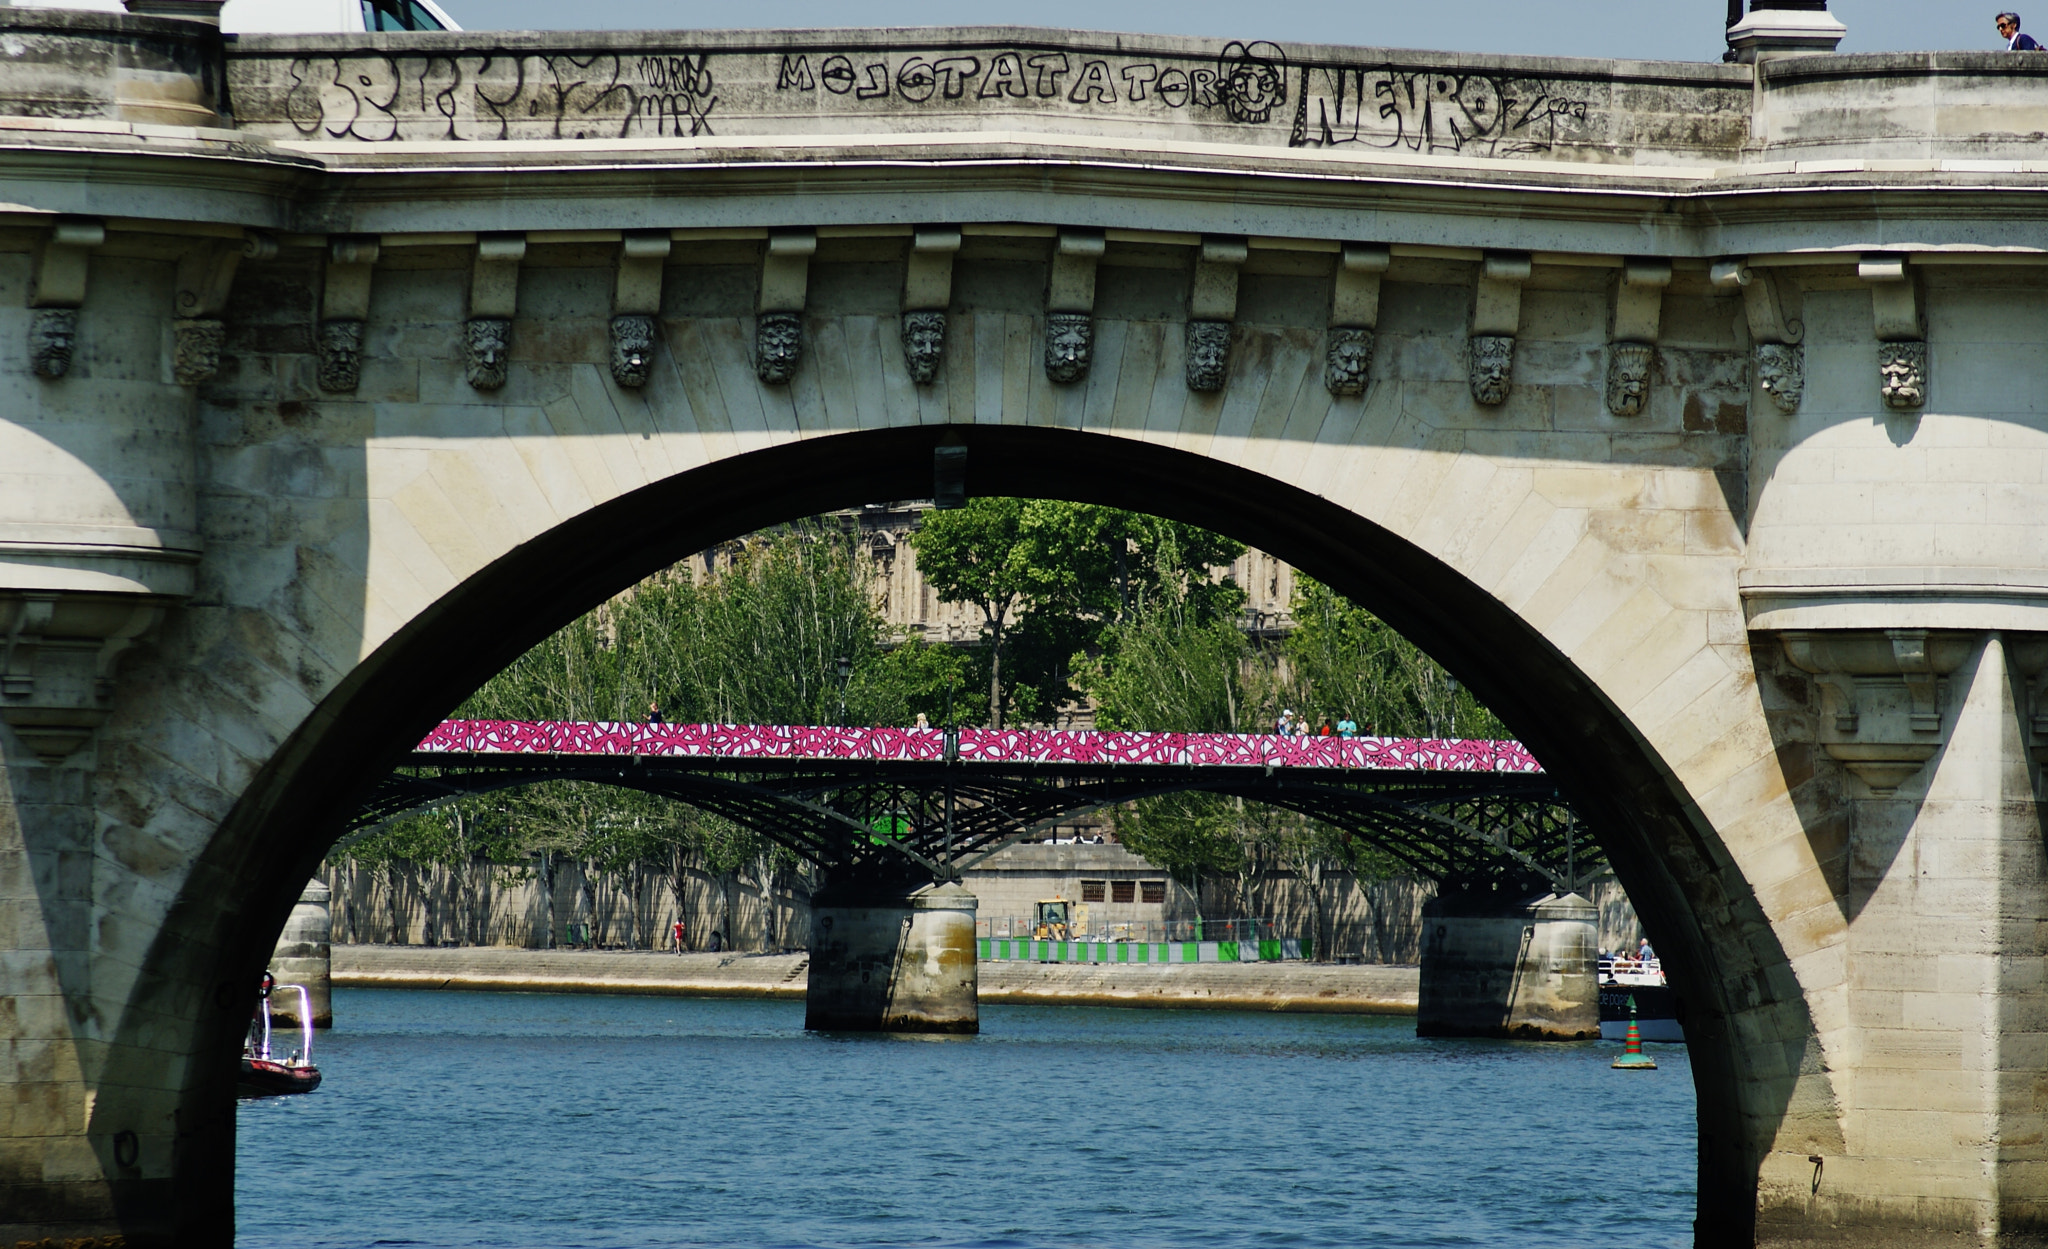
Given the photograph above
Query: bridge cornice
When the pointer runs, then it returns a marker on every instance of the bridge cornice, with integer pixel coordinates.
(1981, 214)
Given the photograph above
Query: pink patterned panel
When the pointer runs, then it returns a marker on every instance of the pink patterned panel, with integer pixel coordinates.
(748, 741)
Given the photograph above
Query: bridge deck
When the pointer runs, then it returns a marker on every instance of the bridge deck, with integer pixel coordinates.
(1075, 748)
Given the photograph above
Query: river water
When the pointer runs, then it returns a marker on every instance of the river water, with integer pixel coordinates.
(572, 1121)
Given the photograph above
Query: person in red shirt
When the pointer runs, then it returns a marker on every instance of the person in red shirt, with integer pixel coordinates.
(677, 932)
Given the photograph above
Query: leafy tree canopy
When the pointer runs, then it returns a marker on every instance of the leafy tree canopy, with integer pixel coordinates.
(1049, 576)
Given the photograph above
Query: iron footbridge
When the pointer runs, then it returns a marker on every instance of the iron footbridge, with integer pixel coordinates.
(897, 804)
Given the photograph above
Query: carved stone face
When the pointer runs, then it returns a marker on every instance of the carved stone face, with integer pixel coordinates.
(1349, 362)
(195, 349)
(340, 348)
(488, 338)
(778, 345)
(1781, 372)
(1069, 341)
(1628, 378)
(1493, 360)
(1208, 354)
(50, 338)
(1903, 370)
(924, 342)
(632, 349)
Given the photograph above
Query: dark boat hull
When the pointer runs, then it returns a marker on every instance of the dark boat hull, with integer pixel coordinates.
(261, 1078)
(1656, 1012)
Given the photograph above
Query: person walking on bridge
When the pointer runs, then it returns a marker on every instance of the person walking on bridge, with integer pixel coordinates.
(2009, 27)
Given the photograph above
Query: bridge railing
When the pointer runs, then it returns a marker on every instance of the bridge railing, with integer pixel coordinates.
(1005, 746)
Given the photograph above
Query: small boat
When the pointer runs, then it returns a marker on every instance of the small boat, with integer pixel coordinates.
(266, 1071)
(1625, 980)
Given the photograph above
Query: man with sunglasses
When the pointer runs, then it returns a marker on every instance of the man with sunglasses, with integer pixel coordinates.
(2009, 27)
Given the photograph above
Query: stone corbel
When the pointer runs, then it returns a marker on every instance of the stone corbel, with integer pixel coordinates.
(1884, 695)
(1354, 317)
(927, 293)
(1496, 320)
(344, 307)
(1901, 342)
(493, 302)
(785, 284)
(1638, 317)
(1774, 334)
(1070, 305)
(205, 275)
(57, 291)
(636, 302)
(1212, 308)
(58, 653)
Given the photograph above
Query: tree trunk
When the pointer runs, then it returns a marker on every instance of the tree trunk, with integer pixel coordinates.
(769, 925)
(547, 900)
(1319, 905)
(391, 900)
(995, 673)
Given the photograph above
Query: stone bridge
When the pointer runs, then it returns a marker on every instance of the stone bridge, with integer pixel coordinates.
(1695, 415)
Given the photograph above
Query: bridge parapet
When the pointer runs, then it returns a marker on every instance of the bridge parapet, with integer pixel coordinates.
(95, 69)
(717, 88)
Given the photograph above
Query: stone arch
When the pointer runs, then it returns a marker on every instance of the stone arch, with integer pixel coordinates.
(1748, 1022)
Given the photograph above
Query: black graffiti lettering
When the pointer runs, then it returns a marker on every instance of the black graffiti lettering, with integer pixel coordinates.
(796, 77)
(1005, 77)
(507, 95)
(1174, 88)
(676, 115)
(676, 73)
(1050, 67)
(915, 80)
(953, 74)
(1092, 85)
(1399, 104)
(1432, 111)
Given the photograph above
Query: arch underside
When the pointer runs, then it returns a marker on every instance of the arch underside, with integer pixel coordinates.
(1654, 837)
(1507, 834)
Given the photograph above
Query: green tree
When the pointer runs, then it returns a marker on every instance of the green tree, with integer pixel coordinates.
(759, 643)
(1048, 577)
(979, 554)
(1343, 660)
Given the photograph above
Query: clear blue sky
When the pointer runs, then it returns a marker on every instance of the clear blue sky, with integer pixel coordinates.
(1679, 30)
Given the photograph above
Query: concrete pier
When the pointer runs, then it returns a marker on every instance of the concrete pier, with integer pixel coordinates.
(893, 964)
(1525, 971)
(303, 956)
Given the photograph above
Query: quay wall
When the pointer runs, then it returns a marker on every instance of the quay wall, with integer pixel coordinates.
(425, 904)
(1322, 988)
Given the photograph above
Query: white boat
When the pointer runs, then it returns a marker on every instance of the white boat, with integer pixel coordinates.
(1627, 984)
(267, 1070)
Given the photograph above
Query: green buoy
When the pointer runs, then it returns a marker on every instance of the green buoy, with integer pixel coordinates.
(1632, 1056)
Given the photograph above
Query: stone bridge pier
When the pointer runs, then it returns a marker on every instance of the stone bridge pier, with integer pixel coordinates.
(1694, 414)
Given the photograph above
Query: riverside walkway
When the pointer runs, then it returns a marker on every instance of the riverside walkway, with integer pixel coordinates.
(1328, 988)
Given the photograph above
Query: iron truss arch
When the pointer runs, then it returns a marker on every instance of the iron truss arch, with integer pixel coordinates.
(903, 820)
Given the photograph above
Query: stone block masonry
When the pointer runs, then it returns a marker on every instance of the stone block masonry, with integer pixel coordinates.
(1773, 610)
